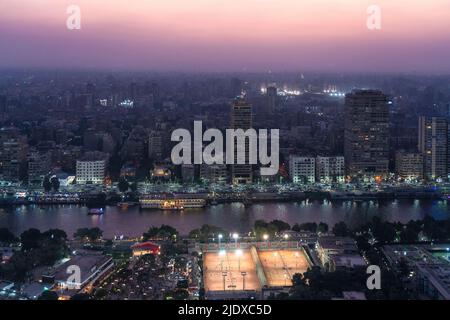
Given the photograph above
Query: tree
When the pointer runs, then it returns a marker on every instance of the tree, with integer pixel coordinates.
(48, 295)
(163, 232)
(340, 229)
(91, 234)
(322, 227)
(95, 234)
(134, 186)
(180, 294)
(54, 181)
(309, 226)
(30, 239)
(280, 225)
(123, 185)
(7, 236)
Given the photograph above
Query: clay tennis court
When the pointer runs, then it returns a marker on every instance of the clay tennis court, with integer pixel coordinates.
(233, 263)
(280, 265)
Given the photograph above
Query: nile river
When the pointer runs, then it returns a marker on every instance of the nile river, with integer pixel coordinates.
(232, 217)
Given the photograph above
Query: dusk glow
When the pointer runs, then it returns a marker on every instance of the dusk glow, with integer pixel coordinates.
(219, 35)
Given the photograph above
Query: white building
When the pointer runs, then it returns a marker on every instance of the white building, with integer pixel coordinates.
(302, 169)
(330, 169)
(90, 171)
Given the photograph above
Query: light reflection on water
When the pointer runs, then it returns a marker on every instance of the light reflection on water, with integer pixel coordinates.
(232, 217)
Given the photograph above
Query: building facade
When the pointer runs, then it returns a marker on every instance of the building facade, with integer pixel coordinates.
(302, 169)
(409, 165)
(433, 138)
(366, 134)
(241, 118)
(91, 169)
(330, 169)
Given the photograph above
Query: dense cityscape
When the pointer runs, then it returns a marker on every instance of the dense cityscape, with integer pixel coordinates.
(338, 144)
(224, 159)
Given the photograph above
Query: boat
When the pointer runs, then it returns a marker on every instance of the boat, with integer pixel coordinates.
(171, 202)
(96, 211)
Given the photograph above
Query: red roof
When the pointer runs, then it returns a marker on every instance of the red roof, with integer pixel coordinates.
(145, 246)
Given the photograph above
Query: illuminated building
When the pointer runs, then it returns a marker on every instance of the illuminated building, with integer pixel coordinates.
(409, 165)
(144, 248)
(171, 201)
(433, 146)
(330, 169)
(160, 172)
(302, 169)
(91, 169)
(241, 118)
(366, 137)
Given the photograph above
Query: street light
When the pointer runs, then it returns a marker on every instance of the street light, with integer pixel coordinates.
(220, 236)
(224, 275)
(235, 237)
(266, 238)
(243, 273)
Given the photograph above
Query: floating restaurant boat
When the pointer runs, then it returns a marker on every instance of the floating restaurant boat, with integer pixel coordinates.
(171, 201)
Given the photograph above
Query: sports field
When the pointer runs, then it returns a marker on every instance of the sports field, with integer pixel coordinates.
(280, 265)
(231, 264)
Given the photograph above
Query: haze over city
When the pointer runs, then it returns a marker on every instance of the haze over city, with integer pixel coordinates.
(219, 35)
(254, 152)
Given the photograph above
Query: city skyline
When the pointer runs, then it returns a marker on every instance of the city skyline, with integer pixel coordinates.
(221, 36)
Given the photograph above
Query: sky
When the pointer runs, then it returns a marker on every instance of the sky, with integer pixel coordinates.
(227, 35)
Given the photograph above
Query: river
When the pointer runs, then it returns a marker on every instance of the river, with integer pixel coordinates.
(232, 217)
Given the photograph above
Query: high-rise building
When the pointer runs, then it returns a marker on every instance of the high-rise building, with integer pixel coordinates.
(302, 169)
(271, 95)
(39, 165)
(366, 137)
(409, 165)
(241, 118)
(13, 155)
(433, 138)
(155, 145)
(330, 169)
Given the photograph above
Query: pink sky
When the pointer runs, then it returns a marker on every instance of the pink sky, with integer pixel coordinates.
(227, 35)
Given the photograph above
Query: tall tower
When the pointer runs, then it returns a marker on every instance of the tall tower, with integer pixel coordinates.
(271, 96)
(433, 143)
(241, 118)
(366, 137)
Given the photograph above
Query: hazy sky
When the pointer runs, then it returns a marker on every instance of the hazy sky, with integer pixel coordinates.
(227, 35)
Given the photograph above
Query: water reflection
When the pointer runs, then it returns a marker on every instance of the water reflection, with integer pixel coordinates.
(234, 216)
